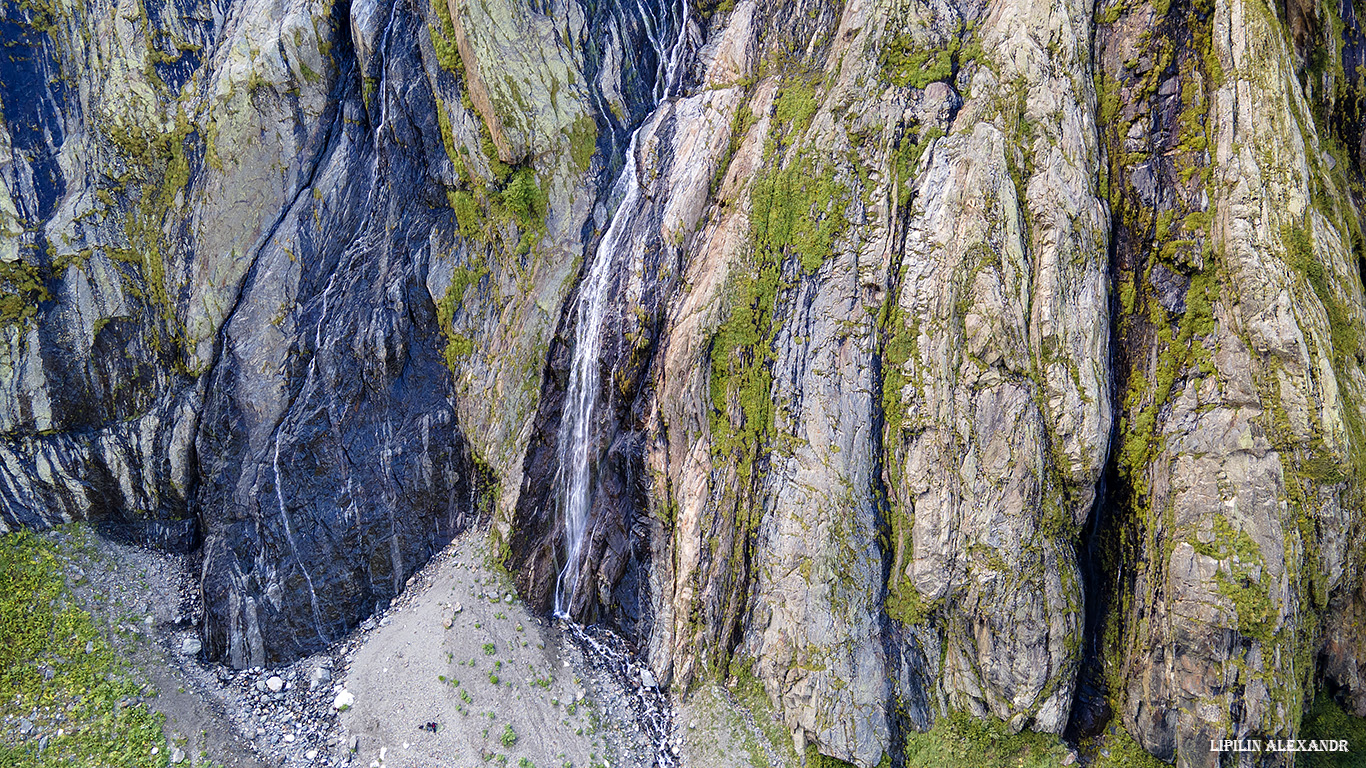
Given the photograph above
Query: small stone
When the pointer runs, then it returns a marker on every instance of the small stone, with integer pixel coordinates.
(311, 754)
(508, 598)
(156, 750)
(89, 646)
(647, 679)
(343, 701)
(275, 684)
(1070, 759)
(191, 646)
(25, 726)
(177, 756)
(354, 744)
(446, 622)
(458, 608)
(148, 620)
(289, 738)
(319, 678)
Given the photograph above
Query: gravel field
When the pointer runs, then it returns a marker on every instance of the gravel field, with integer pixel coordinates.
(456, 672)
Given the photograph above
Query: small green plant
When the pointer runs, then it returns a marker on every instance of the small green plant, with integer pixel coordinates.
(489, 650)
(509, 736)
(45, 668)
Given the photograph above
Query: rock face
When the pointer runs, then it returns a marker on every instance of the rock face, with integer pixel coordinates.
(959, 356)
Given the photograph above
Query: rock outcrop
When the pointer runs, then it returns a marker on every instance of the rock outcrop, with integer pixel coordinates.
(959, 356)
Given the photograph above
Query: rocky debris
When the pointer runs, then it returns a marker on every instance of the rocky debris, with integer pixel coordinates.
(319, 678)
(274, 684)
(343, 701)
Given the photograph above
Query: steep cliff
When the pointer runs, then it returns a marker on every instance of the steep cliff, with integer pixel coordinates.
(989, 357)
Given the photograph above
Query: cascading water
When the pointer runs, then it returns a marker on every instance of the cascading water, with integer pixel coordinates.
(576, 425)
(575, 446)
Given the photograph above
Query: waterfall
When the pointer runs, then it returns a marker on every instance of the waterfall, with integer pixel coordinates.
(575, 446)
(580, 406)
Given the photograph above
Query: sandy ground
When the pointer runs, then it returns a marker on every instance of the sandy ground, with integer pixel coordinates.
(499, 684)
(456, 650)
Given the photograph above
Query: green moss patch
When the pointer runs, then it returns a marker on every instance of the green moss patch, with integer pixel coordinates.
(48, 677)
(963, 741)
(1119, 750)
(21, 288)
(1326, 719)
(458, 345)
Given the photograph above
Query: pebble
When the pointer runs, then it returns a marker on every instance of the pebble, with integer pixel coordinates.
(343, 700)
(177, 756)
(289, 738)
(89, 646)
(647, 679)
(190, 646)
(25, 726)
(458, 608)
(275, 684)
(446, 622)
(311, 754)
(319, 678)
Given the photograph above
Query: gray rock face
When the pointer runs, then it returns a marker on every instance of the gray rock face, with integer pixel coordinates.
(261, 324)
(1241, 425)
(960, 356)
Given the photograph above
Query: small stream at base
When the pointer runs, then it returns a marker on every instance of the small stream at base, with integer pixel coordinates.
(649, 705)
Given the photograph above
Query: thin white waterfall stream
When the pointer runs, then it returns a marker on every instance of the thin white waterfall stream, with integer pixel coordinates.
(576, 425)
(576, 447)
